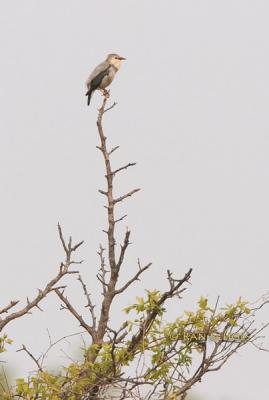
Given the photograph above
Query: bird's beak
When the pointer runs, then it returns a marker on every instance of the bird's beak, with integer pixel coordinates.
(122, 58)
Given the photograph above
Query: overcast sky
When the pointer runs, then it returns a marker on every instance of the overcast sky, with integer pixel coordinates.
(192, 111)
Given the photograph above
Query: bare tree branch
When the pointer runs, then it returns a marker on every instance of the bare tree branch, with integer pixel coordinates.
(109, 287)
(112, 150)
(129, 194)
(12, 304)
(103, 270)
(72, 310)
(89, 304)
(36, 360)
(123, 249)
(123, 168)
(120, 219)
(64, 270)
(132, 280)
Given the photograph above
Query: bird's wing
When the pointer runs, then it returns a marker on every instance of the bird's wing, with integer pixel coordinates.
(96, 82)
(97, 75)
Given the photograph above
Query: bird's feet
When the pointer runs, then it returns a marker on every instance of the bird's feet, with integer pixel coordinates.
(105, 93)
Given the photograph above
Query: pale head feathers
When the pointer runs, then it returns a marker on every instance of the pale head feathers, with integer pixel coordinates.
(115, 60)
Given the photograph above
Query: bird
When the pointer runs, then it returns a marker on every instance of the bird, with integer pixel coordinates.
(103, 75)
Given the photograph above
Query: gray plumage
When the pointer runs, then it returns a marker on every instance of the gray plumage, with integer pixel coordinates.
(103, 74)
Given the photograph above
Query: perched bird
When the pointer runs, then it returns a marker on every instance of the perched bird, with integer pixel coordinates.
(103, 74)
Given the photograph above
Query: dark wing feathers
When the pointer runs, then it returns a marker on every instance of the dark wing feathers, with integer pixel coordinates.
(95, 83)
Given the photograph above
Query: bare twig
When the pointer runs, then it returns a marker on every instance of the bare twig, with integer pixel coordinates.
(53, 344)
(12, 304)
(123, 168)
(129, 194)
(120, 219)
(102, 275)
(135, 278)
(51, 285)
(113, 149)
(36, 360)
(123, 249)
(110, 108)
(89, 304)
(72, 310)
(62, 238)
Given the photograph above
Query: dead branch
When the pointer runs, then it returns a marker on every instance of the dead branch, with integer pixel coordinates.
(53, 344)
(36, 360)
(120, 219)
(135, 278)
(123, 168)
(102, 274)
(13, 303)
(109, 290)
(51, 285)
(89, 304)
(123, 249)
(72, 310)
(112, 150)
(129, 194)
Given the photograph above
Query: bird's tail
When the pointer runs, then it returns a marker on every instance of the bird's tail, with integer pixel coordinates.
(89, 94)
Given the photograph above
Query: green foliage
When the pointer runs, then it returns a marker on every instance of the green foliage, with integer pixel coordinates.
(166, 346)
(147, 305)
(4, 340)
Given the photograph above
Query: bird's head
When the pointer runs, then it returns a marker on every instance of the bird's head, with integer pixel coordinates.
(115, 60)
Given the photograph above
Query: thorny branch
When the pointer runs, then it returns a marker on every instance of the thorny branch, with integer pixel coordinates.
(12, 304)
(89, 304)
(64, 270)
(72, 310)
(103, 271)
(39, 361)
(36, 360)
(123, 346)
(98, 328)
(211, 360)
(136, 340)
(134, 278)
(109, 288)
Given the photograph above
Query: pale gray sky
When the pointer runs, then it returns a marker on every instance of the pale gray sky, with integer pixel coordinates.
(192, 111)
